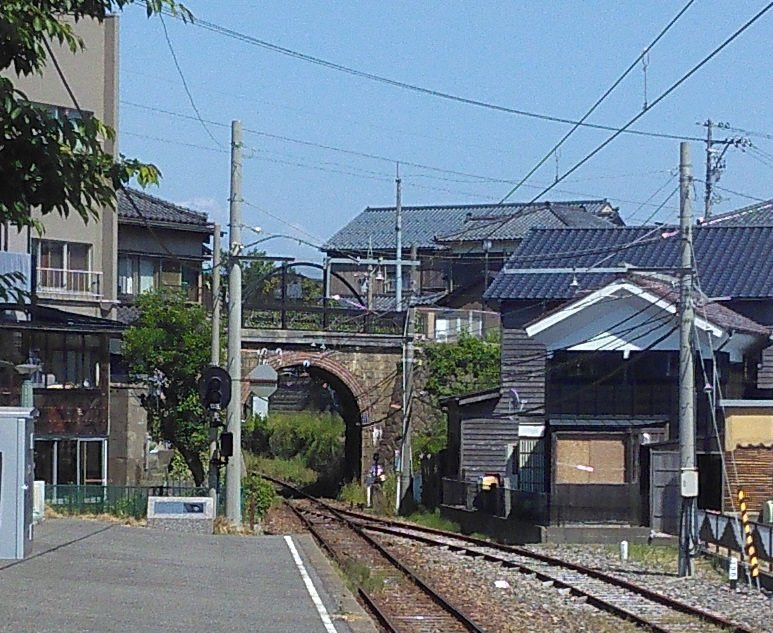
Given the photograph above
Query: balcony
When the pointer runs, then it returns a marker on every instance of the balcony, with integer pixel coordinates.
(61, 283)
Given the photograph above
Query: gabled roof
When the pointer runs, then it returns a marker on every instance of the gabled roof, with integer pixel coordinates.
(758, 214)
(732, 261)
(375, 226)
(516, 224)
(592, 321)
(138, 207)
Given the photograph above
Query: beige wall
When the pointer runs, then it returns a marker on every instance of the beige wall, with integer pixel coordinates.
(93, 76)
(748, 426)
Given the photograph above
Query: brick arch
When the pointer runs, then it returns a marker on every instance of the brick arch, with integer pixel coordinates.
(326, 363)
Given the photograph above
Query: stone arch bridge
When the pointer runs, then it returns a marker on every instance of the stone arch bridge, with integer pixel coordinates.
(363, 369)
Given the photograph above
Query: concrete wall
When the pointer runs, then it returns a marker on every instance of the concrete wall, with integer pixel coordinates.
(126, 439)
(748, 425)
(93, 76)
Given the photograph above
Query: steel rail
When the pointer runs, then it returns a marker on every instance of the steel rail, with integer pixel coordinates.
(644, 592)
(464, 619)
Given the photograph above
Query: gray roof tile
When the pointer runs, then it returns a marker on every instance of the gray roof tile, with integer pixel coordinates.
(376, 225)
(758, 214)
(155, 209)
(732, 261)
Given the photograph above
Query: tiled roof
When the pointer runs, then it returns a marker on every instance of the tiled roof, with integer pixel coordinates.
(155, 209)
(501, 227)
(759, 214)
(375, 226)
(710, 310)
(732, 261)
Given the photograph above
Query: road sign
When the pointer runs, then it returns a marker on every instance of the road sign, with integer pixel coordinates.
(263, 381)
(215, 388)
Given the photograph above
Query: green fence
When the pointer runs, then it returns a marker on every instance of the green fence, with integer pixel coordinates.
(122, 501)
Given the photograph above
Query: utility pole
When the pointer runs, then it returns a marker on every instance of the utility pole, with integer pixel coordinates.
(687, 460)
(214, 357)
(233, 480)
(709, 171)
(399, 246)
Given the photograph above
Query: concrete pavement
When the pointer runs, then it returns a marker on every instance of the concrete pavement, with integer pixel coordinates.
(91, 577)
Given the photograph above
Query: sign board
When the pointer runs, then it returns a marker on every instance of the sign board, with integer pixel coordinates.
(732, 570)
(263, 381)
(182, 514)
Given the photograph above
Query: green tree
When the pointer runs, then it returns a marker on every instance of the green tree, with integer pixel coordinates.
(50, 163)
(465, 366)
(470, 364)
(169, 346)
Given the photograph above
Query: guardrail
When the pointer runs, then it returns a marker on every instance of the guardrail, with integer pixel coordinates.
(721, 530)
(273, 316)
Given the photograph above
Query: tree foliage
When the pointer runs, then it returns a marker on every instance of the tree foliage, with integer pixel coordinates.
(470, 364)
(47, 162)
(168, 347)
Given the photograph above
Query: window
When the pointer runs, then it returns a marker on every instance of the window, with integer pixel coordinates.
(127, 271)
(170, 273)
(147, 274)
(74, 461)
(69, 361)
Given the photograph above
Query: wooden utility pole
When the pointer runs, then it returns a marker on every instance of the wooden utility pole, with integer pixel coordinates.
(687, 460)
(233, 473)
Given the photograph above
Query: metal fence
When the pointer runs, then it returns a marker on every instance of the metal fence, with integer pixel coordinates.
(721, 530)
(122, 501)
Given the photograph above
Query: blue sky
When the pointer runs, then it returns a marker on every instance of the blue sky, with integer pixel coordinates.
(556, 58)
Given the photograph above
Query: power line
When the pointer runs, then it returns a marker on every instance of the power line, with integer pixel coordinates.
(665, 94)
(341, 150)
(598, 102)
(185, 83)
(248, 39)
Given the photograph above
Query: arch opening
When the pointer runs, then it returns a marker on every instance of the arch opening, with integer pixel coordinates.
(306, 387)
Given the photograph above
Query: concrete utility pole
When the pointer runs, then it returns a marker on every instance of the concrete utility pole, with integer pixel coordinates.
(709, 171)
(233, 473)
(214, 355)
(687, 460)
(399, 245)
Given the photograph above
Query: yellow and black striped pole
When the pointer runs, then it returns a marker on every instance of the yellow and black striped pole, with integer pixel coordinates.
(751, 551)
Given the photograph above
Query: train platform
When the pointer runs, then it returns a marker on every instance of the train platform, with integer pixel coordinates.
(92, 577)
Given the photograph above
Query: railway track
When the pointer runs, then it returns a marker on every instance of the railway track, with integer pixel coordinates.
(398, 597)
(638, 604)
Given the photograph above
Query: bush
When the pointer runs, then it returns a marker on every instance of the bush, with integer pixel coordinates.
(352, 493)
(258, 493)
(315, 439)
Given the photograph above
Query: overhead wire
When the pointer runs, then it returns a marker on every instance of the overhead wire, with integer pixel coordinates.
(243, 37)
(599, 101)
(185, 83)
(659, 99)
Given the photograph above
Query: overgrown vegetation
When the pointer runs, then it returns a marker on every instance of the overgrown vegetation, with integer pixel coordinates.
(304, 447)
(470, 364)
(259, 496)
(433, 520)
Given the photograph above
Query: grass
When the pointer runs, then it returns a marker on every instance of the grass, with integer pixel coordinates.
(363, 576)
(292, 470)
(433, 520)
(352, 493)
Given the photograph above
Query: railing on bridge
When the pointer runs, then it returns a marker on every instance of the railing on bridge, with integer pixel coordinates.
(275, 316)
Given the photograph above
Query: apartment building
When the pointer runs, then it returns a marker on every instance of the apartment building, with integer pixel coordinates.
(91, 428)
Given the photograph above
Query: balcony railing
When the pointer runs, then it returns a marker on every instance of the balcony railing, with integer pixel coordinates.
(68, 283)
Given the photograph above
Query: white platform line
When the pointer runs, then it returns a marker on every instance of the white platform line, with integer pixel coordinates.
(323, 614)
